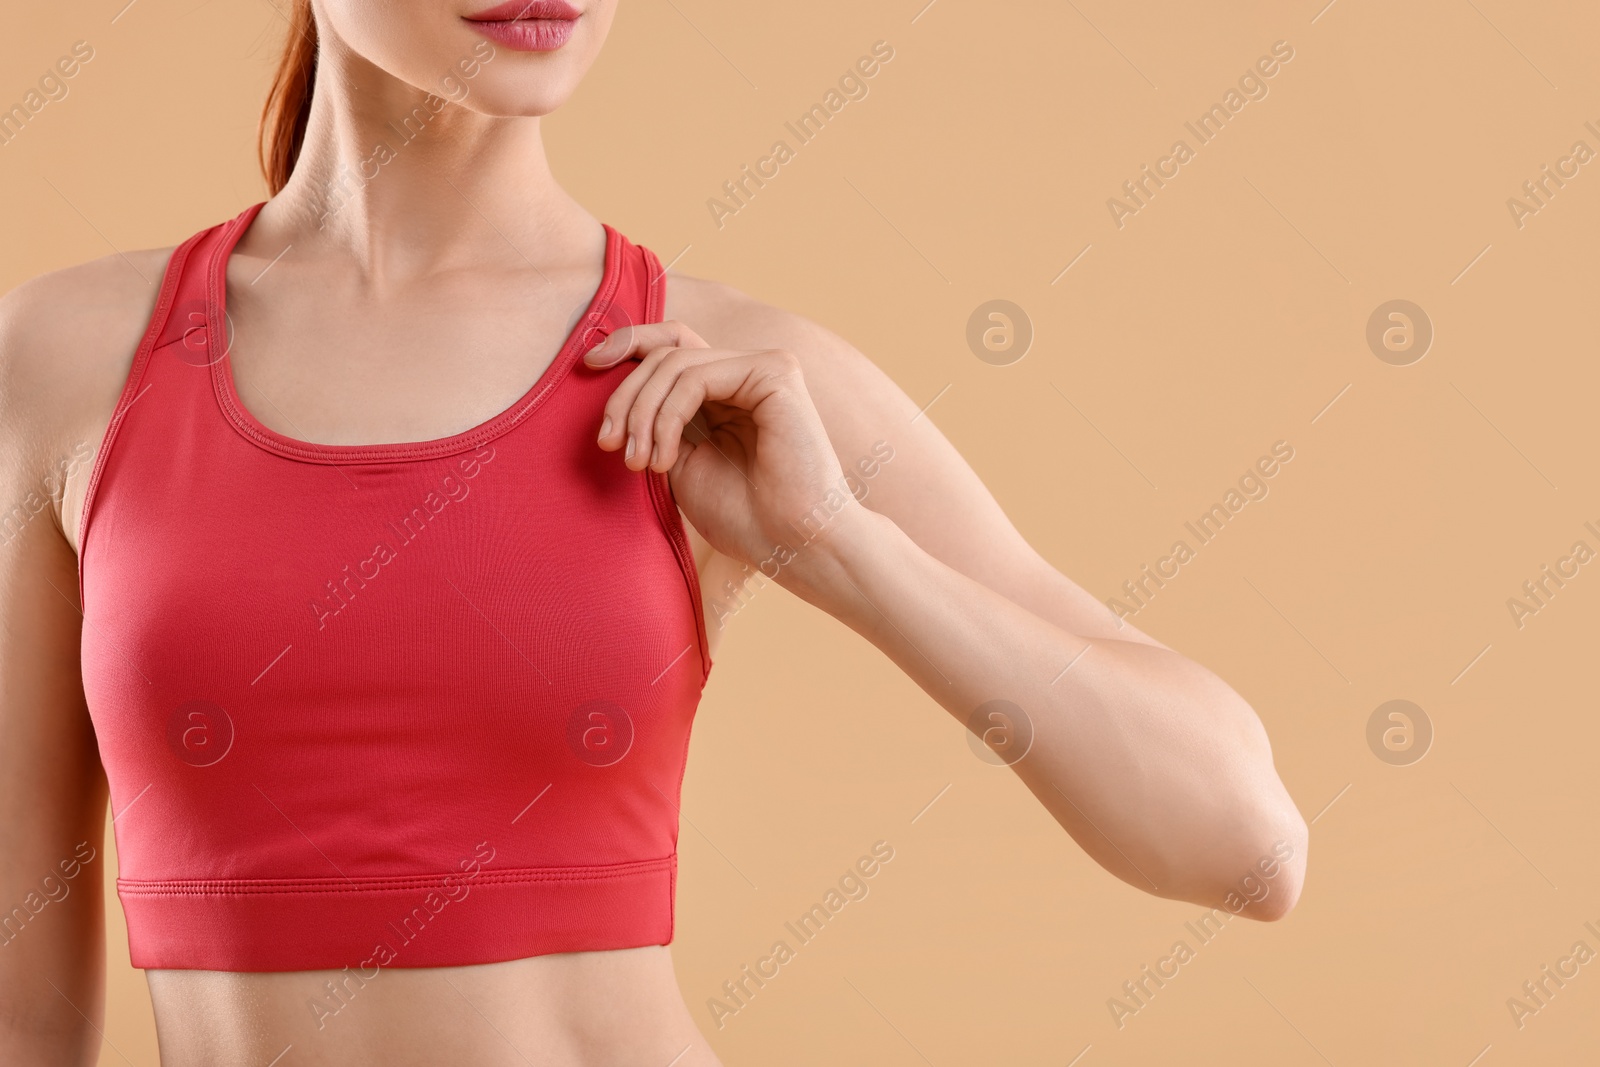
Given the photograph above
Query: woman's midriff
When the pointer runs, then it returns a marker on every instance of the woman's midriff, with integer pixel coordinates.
(585, 1009)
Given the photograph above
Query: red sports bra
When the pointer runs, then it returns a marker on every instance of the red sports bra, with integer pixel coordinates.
(411, 705)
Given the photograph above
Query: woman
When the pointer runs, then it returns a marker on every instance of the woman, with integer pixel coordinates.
(390, 657)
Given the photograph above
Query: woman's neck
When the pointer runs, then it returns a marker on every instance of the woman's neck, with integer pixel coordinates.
(407, 183)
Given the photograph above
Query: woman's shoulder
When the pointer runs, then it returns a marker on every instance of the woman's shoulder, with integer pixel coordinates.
(844, 383)
(730, 318)
(67, 340)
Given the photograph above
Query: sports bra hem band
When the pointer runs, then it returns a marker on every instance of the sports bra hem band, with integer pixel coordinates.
(388, 884)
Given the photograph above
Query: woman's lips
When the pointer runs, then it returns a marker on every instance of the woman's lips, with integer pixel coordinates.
(527, 25)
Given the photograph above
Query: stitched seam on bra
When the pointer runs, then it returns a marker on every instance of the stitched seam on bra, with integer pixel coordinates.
(323, 887)
(666, 509)
(403, 452)
(172, 279)
(655, 308)
(655, 286)
(665, 505)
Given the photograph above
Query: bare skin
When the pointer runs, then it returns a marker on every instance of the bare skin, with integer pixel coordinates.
(428, 304)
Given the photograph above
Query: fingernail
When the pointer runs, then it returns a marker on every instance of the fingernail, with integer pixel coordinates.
(629, 453)
(605, 428)
(655, 454)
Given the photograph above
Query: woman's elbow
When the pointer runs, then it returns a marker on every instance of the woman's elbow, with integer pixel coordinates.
(1269, 887)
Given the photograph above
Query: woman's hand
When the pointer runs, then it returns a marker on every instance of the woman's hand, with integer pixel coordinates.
(736, 433)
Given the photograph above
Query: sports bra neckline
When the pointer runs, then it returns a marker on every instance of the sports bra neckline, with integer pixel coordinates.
(398, 451)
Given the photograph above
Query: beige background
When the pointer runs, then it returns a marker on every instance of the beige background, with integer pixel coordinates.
(1225, 316)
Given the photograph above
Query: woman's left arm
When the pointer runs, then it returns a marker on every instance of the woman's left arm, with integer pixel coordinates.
(1154, 765)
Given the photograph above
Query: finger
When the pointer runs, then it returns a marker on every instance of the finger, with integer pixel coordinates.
(637, 340)
(649, 385)
(614, 422)
(615, 426)
(678, 408)
(744, 381)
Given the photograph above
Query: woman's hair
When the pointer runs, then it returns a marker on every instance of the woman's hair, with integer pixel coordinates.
(283, 120)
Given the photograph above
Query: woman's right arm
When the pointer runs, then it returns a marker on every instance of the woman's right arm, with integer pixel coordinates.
(63, 339)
